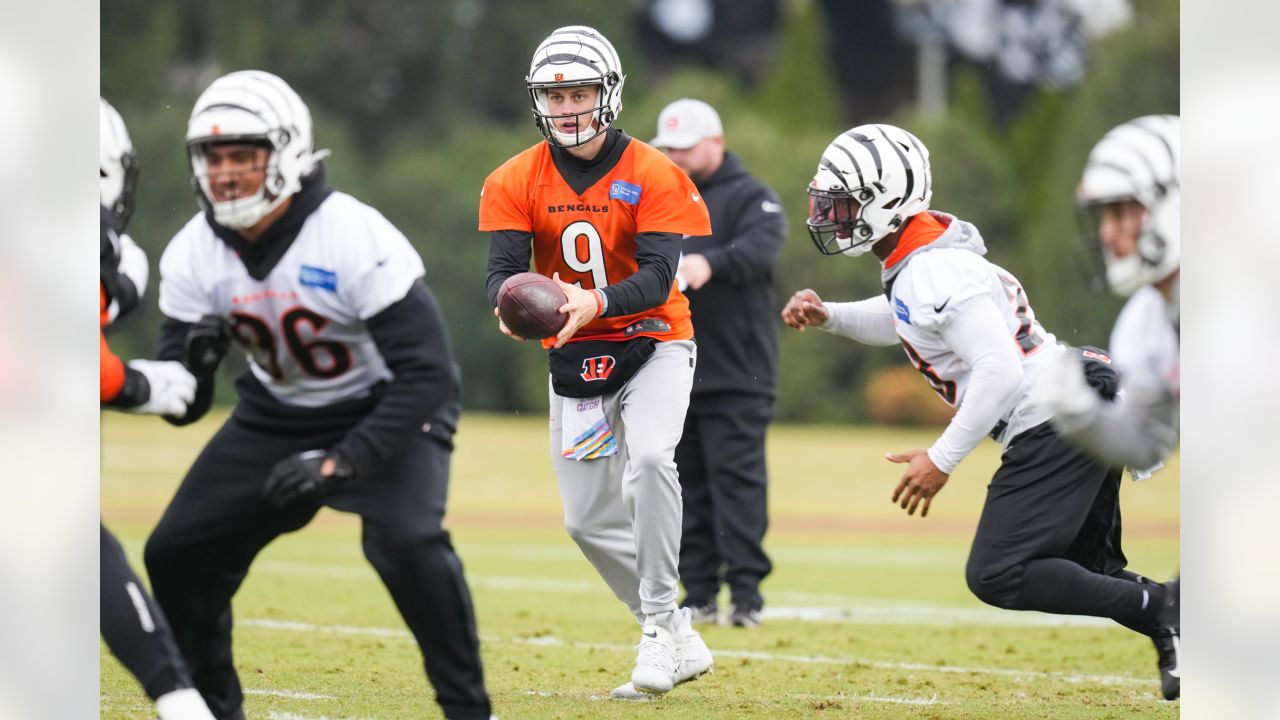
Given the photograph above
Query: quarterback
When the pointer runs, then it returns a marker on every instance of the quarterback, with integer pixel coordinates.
(605, 214)
(1049, 535)
(350, 400)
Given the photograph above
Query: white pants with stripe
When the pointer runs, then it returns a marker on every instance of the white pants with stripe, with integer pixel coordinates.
(624, 511)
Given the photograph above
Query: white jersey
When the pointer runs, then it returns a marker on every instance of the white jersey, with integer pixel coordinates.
(1144, 345)
(303, 326)
(935, 284)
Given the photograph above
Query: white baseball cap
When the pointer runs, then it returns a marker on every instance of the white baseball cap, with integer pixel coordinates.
(685, 122)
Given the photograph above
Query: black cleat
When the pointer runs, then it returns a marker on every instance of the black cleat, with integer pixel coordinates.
(1167, 642)
(744, 617)
(708, 613)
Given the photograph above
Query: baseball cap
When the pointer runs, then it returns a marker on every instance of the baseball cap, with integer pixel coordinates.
(685, 122)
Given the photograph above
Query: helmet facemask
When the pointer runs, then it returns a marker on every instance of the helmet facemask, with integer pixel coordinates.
(257, 108)
(1138, 162)
(835, 221)
(571, 57)
(870, 181)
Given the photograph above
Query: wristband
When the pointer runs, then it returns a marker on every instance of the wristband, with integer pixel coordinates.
(601, 302)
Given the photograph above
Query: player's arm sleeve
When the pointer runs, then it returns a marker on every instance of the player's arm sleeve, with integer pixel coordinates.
(868, 321)
(752, 251)
(410, 334)
(977, 334)
(173, 336)
(657, 254)
(1138, 429)
(509, 253)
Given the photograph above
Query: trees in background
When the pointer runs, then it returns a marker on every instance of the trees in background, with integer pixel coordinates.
(420, 100)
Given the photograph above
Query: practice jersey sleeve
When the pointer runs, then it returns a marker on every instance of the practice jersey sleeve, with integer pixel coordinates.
(943, 282)
(111, 367)
(182, 292)
(670, 202)
(504, 200)
(381, 261)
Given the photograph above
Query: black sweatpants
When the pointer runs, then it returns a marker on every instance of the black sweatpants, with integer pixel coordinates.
(1049, 537)
(133, 626)
(218, 522)
(724, 484)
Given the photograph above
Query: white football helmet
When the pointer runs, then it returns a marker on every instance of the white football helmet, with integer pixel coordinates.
(256, 107)
(118, 182)
(571, 56)
(870, 180)
(1139, 161)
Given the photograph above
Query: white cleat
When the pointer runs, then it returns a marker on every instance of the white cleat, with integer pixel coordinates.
(628, 691)
(692, 654)
(656, 661)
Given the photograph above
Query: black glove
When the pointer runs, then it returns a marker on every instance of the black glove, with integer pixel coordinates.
(207, 343)
(298, 477)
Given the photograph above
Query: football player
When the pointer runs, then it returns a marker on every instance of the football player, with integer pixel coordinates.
(1049, 535)
(132, 625)
(604, 214)
(1129, 199)
(350, 402)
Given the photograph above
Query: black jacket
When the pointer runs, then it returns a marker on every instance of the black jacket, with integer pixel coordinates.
(735, 319)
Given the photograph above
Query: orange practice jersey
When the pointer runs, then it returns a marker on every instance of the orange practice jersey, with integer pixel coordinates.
(590, 238)
(111, 367)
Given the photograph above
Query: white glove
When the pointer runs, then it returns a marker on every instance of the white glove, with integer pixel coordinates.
(172, 387)
(1061, 388)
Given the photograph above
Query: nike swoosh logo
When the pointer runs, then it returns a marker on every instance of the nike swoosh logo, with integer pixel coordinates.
(938, 308)
(653, 634)
(383, 261)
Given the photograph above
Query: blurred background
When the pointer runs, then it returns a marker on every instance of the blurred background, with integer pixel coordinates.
(420, 101)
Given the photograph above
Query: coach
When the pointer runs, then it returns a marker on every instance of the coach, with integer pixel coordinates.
(728, 278)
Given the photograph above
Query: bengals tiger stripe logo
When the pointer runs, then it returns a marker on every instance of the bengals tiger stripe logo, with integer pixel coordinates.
(597, 368)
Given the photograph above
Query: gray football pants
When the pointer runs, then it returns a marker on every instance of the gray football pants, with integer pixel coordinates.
(624, 511)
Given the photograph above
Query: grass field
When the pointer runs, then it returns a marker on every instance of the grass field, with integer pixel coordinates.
(868, 615)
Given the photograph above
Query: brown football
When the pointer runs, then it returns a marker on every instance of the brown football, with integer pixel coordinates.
(529, 303)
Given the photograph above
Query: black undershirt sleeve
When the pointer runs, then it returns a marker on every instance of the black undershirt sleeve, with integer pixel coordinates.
(173, 335)
(410, 334)
(657, 255)
(509, 253)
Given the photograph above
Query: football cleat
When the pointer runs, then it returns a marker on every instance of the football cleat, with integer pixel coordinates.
(707, 614)
(744, 617)
(1168, 643)
(628, 691)
(655, 657)
(692, 654)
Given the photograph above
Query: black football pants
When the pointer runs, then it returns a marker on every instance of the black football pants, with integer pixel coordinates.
(725, 487)
(218, 522)
(133, 626)
(1049, 537)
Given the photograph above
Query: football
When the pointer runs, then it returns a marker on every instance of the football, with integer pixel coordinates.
(529, 304)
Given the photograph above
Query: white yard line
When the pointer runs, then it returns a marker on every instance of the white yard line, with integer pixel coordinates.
(551, 641)
(291, 694)
(837, 609)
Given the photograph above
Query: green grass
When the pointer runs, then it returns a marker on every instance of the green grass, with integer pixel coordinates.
(317, 636)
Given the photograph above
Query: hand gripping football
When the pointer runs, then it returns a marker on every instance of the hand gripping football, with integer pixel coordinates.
(529, 303)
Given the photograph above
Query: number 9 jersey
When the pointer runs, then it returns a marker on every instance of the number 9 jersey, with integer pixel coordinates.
(589, 237)
(303, 324)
